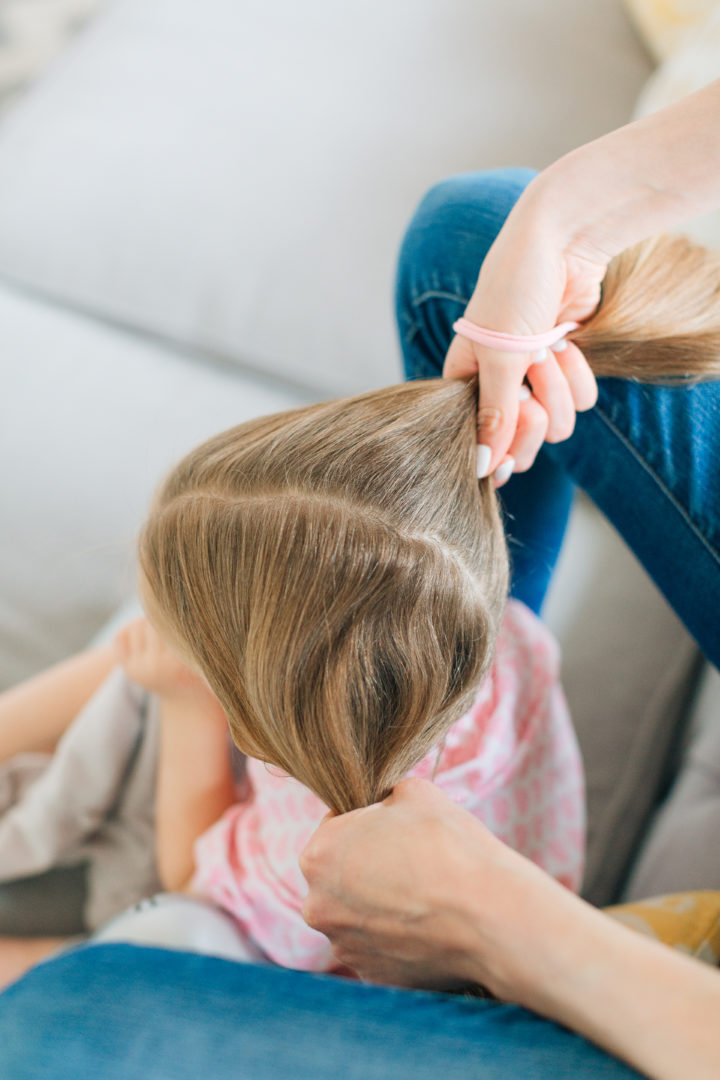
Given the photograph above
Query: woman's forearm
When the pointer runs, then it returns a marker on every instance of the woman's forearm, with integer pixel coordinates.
(648, 1004)
(634, 997)
(34, 714)
(194, 784)
(640, 179)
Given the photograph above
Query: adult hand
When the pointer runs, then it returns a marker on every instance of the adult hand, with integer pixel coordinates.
(532, 279)
(415, 891)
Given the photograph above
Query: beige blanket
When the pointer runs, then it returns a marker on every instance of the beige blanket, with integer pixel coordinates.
(91, 801)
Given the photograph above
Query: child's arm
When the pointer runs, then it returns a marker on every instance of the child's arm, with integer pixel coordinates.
(195, 781)
(194, 784)
(34, 714)
(18, 954)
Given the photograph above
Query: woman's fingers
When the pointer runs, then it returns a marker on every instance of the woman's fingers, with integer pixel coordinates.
(562, 384)
(529, 437)
(533, 420)
(500, 377)
(579, 376)
(500, 381)
(551, 389)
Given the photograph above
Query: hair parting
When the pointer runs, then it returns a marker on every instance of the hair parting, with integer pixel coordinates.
(338, 572)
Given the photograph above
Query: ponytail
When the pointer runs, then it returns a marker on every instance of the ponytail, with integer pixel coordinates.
(659, 317)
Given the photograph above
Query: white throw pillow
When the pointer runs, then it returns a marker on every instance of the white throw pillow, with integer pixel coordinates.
(628, 666)
(682, 850)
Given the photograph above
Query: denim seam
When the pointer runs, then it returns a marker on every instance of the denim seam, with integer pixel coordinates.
(416, 302)
(408, 335)
(434, 294)
(663, 487)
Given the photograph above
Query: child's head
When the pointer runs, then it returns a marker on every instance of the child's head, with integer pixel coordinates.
(338, 574)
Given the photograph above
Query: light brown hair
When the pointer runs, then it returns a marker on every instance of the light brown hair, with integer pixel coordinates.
(338, 572)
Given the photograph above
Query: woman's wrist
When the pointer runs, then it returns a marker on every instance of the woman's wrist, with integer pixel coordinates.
(523, 935)
(599, 199)
(648, 176)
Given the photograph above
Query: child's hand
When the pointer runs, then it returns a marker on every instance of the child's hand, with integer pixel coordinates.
(149, 661)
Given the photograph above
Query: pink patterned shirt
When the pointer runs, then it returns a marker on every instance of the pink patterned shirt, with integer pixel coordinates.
(512, 760)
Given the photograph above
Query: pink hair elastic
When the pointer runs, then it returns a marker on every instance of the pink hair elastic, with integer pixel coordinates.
(512, 342)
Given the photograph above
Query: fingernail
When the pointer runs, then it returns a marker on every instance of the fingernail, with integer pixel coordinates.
(504, 471)
(484, 457)
(540, 356)
(524, 394)
(559, 345)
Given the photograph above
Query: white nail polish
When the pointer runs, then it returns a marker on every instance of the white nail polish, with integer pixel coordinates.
(484, 456)
(559, 345)
(504, 471)
(540, 356)
(524, 394)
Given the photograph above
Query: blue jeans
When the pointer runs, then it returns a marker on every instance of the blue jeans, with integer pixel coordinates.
(125, 1012)
(647, 457)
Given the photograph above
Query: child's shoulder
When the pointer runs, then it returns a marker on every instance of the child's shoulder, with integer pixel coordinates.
(527, 645)
(512, 703)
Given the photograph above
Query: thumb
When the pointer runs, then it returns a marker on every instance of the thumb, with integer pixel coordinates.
(461, 360)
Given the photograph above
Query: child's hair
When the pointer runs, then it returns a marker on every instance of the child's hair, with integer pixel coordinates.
(338, 572)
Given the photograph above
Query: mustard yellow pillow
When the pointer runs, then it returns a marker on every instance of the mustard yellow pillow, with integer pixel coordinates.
(687, 921)
(664, 24)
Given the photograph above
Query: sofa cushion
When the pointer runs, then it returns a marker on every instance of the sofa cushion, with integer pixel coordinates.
(687, 921)
(628, 667)
(237, 177)
(90, 418)
(682, 850)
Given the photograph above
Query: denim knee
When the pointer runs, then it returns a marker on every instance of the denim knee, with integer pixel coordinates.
(468, 190)
(458, 208)
(440, 258)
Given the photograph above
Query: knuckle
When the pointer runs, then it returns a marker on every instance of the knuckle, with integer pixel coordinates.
(531, 435)
(308, 861)
(489, 420)
(560, 431)
(408, 786)
(523, 461)
(312, 914)
(532, 428)
(349, 958)
(587, 399)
